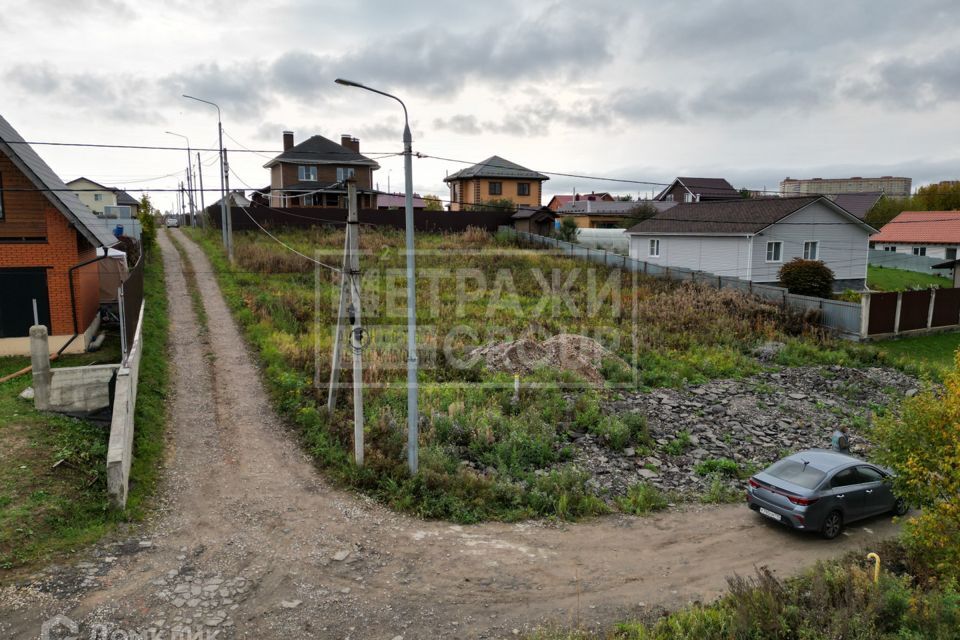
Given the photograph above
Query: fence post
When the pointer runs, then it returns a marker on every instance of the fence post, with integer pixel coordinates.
(933, 300)
(123, 324)
(40, 361)
(864, 314)
(896, 319)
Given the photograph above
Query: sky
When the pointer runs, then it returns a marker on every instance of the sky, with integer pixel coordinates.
(749, 90)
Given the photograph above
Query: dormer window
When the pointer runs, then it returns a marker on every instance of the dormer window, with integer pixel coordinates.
(307, 173)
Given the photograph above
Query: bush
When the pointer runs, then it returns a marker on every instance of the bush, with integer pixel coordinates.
(642, 498)
(807, 278)
(921, 443)
(568, 230)
(722, 466)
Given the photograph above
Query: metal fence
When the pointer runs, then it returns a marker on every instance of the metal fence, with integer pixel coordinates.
(907, 262)
(130, 298)
(840, 316)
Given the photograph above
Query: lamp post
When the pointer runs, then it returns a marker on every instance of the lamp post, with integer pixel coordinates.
(193, 211)
(225, 222)
(413, 417)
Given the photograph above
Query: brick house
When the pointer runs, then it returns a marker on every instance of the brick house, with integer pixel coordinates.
(49, 242)
(495, 179)
(313, 173)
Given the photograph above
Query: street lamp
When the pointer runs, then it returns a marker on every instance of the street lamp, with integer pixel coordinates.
(413, 418)
(193, 214)
(226, 223)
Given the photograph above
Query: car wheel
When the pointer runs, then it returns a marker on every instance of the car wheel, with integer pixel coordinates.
(832, 525)
(900, 507)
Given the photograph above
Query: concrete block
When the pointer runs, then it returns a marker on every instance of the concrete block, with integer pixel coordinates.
(81, 389)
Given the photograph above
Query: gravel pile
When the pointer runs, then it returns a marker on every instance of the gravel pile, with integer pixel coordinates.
(752, 421)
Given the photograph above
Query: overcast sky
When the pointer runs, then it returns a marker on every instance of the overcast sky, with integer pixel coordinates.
(749, 90)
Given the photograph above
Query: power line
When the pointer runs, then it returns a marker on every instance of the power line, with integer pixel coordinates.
(142, 147)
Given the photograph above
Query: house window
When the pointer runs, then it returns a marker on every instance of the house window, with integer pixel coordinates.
(890, 247)
(307, 201)
(811, 250)
(919, 251)
(949, 254)
(344, 173)
(654, 248)
(496, 188)
(688, 197)
(774, 251)
(1, 196)
(98, 197)
(307, 174)
(523, 188)
(669, 197)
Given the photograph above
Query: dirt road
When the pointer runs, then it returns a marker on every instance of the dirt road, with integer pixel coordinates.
(251, 542)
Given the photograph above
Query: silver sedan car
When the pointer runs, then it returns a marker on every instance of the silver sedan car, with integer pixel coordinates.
(822, 490)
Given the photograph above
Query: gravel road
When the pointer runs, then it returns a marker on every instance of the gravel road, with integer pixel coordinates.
(249, 541)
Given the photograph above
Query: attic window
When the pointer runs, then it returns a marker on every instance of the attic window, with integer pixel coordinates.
(307, 174)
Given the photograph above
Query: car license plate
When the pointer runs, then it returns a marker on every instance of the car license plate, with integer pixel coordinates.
(771, 514)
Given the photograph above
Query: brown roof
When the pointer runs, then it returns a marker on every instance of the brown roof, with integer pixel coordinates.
(938, 227)
(859, 204)
(709, 187)
(726, 216)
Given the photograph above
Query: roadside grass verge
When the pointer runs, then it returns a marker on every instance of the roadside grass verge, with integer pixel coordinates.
(835, 599)
(890, 279)
(484, 454)
(53, 468)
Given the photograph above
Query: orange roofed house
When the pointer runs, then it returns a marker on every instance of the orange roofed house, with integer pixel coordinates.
(935, 234)
(49, 242)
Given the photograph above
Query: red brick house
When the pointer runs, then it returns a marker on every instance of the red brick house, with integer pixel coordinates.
(49, 242)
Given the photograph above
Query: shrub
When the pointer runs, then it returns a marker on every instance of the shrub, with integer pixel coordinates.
(613, 431)
(921, 443)
(679, 444)
(807, 278)
(568, 230)
(721, 466)
(639, 431)
(642, 498)
(719, 492)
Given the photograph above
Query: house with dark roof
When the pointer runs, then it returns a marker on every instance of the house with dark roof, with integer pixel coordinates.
(495, 179)
(314, 173)
(751, 239)
(558, 201)
(935, 234)
(686, 189)
(49, 245)
(859, 204)
(108, 202)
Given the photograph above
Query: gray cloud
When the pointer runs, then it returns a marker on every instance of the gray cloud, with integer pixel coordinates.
(911, 84)
(786, 88)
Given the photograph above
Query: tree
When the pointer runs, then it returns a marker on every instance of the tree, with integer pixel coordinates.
(626, 197)
(921, 444)
(148, 222)
(642, 211)
(807, 278)
(568, 230)
(432, 203)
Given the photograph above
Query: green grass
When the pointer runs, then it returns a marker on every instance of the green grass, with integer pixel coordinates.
(889, 279)
(49, 509)
(483, 456)
(931, 354)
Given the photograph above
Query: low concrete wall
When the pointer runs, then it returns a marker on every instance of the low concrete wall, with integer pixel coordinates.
(81, 389)
(120, 448)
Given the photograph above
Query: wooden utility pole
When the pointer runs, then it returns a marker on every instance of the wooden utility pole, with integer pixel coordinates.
(350, 306)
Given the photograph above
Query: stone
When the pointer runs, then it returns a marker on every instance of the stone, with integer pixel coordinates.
(290, 604)
(342, 555)
(629, 452)
(647, 473)
(27, 394)
(798, 396)
(145, 544)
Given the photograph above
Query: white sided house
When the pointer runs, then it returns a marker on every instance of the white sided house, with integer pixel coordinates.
(751, 239)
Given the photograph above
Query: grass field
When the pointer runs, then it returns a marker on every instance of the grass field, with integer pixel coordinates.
(887, 279)
(484, 455)
(48, 508)
(933, 353)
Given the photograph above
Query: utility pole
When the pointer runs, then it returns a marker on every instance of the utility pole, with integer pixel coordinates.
(228, 207)
(350, 290)
(193, 214)
(223, 170)
(203, 207)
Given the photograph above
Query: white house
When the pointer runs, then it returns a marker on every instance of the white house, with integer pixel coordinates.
(935, 234)
(108, 202)
(751, 239)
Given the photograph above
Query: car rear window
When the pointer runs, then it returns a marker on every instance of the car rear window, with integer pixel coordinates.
(797, 472)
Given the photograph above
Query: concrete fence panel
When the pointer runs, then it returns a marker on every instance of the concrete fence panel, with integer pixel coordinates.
(120, 447)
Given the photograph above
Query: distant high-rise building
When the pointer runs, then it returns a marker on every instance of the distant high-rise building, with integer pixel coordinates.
(890, 186)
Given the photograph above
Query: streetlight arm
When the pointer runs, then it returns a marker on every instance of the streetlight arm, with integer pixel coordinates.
(214, 104)
(351, 83)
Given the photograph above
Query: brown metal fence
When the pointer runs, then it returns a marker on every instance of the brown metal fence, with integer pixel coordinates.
(130, 297)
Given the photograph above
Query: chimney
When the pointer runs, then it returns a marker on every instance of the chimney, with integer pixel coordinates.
(348, 141)
(287, 140)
